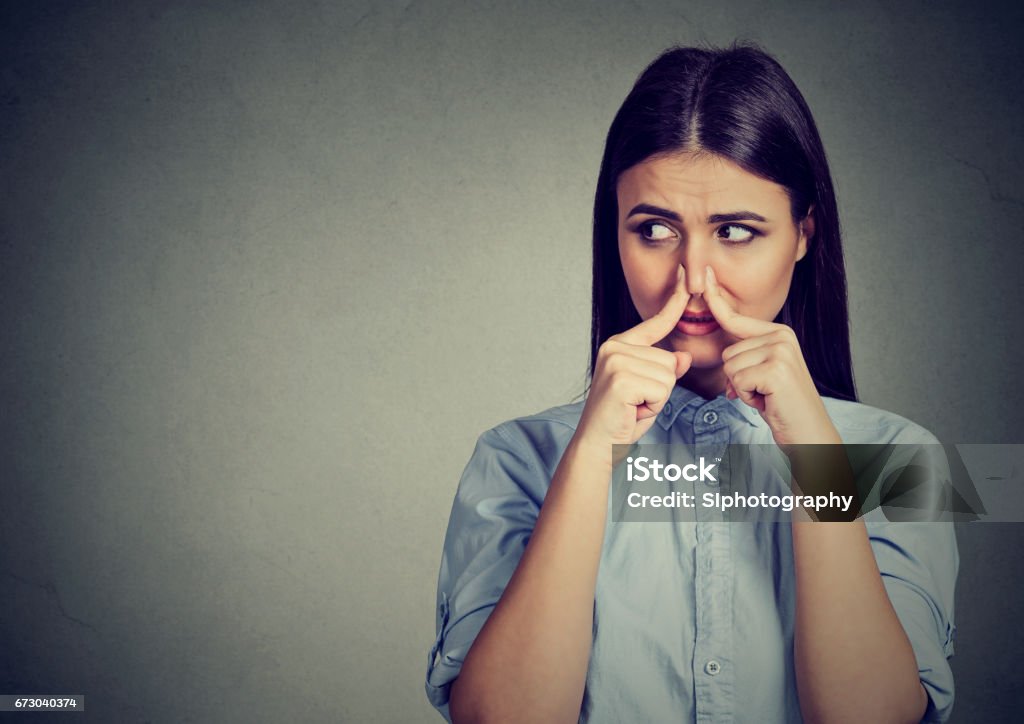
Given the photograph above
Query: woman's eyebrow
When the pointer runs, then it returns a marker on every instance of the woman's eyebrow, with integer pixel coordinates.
(654, 211)
(713, 219)
(735, 216)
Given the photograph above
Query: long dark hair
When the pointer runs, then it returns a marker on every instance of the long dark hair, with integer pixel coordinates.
(737, 103)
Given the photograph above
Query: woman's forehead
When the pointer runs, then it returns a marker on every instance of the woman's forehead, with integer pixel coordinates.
(701, 184)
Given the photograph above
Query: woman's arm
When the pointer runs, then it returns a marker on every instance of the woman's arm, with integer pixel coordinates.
(854, 661)
(529, 662)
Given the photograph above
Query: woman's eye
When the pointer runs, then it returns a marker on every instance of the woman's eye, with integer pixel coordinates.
(736, 234)
(655, 231)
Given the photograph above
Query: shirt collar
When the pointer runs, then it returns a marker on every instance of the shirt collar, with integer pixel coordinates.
(683, 399)
(747, 412)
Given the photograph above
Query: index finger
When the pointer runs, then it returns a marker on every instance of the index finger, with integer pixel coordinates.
(657, 327)
(736, 324)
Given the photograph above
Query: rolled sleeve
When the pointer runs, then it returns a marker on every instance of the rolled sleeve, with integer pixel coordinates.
(918, 563)
(494, 513)
(914, 544)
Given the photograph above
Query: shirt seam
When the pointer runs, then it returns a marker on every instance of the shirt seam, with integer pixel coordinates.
(502, 433)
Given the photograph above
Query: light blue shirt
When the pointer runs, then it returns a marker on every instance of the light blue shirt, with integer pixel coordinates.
(693, 621)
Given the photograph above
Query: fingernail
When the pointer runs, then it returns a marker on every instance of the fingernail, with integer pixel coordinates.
(710, 273)
(679, 273)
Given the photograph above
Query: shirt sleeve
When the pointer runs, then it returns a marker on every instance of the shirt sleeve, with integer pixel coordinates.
(494, 512)
(919, 562)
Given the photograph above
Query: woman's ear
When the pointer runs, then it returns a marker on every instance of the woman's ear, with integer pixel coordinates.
(806, 233)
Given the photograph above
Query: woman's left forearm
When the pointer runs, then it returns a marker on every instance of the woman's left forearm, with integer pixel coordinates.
(854, 662)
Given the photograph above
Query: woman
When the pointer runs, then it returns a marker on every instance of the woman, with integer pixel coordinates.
(719, 317)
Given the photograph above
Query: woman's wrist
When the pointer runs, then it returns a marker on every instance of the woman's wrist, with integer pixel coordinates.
(593, 451)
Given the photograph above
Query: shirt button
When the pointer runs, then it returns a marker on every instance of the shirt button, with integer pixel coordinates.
(667, 409)
(712, 667)
(710, 417)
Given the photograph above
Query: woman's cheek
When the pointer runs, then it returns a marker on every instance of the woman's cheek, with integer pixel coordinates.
(758, 295)
(643, 294)
(649, 287)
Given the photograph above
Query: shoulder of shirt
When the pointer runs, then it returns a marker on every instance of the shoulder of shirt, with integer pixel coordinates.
(857, 420)
(546, 433)
(566, 416)
(531, 445)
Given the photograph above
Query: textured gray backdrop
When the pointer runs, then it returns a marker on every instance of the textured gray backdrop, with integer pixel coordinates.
(268, 269)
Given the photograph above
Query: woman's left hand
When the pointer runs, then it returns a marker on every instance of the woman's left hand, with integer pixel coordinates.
(767, 371)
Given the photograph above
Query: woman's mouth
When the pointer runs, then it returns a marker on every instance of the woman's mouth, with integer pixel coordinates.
(697, 324)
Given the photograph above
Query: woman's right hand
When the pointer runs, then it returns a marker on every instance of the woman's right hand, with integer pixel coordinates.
(633, 379)
(529, 661)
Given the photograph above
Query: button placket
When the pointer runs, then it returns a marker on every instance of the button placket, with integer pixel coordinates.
(713, 580)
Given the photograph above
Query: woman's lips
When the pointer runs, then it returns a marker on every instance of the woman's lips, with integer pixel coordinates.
(697, 324)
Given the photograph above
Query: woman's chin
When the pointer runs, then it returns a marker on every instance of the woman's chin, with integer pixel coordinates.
(706, 353)
(703, 367)
(704, 357)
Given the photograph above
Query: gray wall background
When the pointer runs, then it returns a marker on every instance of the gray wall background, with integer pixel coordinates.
(268, 269)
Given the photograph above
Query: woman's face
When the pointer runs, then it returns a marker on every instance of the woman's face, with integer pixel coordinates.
(703, 210)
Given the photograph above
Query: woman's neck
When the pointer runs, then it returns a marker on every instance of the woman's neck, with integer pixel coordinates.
(708, 383)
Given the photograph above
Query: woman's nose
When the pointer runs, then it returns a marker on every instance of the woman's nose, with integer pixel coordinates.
(694, 263)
